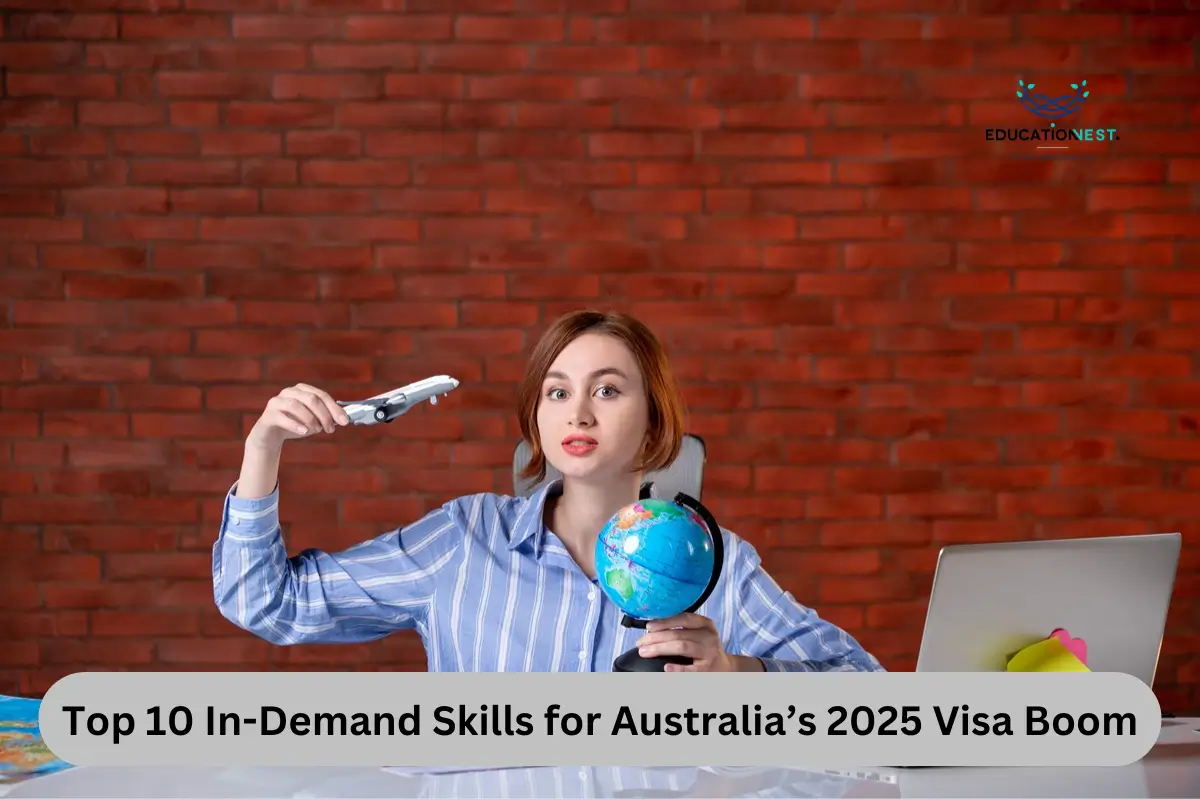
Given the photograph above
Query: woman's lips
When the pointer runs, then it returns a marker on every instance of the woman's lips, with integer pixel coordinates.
(579, 445)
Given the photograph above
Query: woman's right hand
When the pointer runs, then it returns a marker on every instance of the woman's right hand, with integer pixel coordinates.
(298, 411)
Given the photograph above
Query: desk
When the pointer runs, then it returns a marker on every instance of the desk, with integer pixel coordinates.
(1171, 769)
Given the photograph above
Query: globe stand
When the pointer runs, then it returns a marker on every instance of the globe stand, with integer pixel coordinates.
(632, 661)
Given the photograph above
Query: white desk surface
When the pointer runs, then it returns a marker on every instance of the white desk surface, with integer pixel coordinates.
(1171, 769)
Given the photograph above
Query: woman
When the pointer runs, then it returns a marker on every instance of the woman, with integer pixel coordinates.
(501, 583)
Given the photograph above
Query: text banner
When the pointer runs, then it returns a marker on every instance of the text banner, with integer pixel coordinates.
(834, 720)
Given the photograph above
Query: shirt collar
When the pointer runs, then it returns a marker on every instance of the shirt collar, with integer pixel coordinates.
(530, 521)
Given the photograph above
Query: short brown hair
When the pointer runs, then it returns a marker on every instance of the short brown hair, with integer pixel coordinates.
(664, 432)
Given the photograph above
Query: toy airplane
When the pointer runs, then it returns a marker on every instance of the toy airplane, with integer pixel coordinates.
(397, 402)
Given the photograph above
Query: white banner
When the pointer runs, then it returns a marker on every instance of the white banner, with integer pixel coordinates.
(827, 720)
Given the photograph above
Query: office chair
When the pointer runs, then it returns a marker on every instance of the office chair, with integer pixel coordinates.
(686, 474)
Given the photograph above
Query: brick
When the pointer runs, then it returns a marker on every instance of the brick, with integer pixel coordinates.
(336, 86)
(286, 27)
(586, 58)
(135, 397)
(185, 173)
(403, 145)
(477, 228)
(63, 26)
(640, 145)
(843, 562)
(113, 623)
(131, 200)
(84, 424)
(813, 200)
(181, 425)
(519, 145)
(363, 56)
(210, 85)
(527, 87)
(240, 143)
(492, 28)
(291, 314)
(297, 114)
(863, 589)
(174, 26)
(414, 27)
(57, 510)
(630, 87)
(698, 57)
(207, 370)
(1066, 282)
(1067, 338)
(120, 114)
(345, 287)
(41, 55)
(723, 144)
(207, 201)
(143, 229)
(53, 85)
(45, 173)
(155, 143)
(45, 397)
(355, 173)
(214, 651)
(33, 114)
(128, 482)
(117, 653)
(332, 143)
(97, 286)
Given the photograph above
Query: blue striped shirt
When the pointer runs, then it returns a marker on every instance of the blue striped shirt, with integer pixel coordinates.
(489, 588)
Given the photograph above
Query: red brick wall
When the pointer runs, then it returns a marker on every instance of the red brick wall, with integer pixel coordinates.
(894, 333)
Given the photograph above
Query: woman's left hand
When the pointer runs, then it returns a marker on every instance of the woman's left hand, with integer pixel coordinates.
(697, 639)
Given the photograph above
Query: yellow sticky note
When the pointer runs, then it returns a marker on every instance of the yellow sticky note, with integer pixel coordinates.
(1046, 655)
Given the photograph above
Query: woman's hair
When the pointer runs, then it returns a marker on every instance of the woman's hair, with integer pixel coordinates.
(664, 435)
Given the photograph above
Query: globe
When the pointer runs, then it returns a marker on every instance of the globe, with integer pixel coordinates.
(656, 559)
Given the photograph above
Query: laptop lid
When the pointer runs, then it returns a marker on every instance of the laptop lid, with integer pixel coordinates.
(990, 600)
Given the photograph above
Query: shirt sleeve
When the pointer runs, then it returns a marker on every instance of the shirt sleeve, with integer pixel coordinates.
(362, 593)
(785, 635)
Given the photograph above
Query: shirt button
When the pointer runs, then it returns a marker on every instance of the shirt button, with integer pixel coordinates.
(583, 655)
(592, 595)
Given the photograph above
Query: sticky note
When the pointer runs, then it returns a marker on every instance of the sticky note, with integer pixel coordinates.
(1077, 646)
(1049, 654)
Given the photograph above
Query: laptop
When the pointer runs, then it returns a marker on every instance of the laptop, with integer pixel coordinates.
(989, 601)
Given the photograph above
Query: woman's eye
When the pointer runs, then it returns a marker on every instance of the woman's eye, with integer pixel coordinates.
(612, 392)
(555, 393)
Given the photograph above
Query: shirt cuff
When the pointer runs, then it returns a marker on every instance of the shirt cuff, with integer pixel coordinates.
(251, 521)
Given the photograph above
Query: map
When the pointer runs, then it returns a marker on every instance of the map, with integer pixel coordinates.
(654, 558)
(22, 752)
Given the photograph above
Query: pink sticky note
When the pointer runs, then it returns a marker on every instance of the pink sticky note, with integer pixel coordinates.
(1076, 646)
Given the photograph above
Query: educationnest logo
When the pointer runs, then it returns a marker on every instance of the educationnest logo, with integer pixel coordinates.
(1053, 135)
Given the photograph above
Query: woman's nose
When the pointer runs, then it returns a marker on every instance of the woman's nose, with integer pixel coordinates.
(581, 414)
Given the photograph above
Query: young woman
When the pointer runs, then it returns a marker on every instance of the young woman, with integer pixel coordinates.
(501, 583)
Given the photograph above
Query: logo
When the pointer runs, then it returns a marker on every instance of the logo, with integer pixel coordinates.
(1044, 106)
(1052, 107)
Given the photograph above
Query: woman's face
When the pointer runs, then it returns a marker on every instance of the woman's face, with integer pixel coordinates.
(592, 416)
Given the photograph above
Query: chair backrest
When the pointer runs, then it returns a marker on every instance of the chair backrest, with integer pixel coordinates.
(686, 474)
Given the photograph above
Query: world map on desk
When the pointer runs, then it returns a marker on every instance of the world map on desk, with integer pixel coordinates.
(23, 753)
